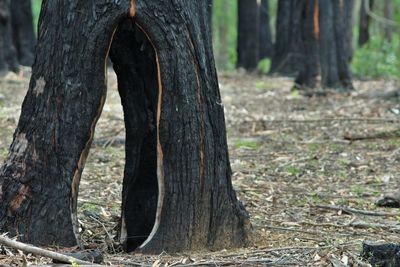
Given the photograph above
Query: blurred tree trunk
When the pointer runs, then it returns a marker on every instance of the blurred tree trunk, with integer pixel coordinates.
(388, 14)
(177, 189)
(266, 46)
(248, 34)
(23, 31)
(349, 22)
(288, 48)
(334, 48)
(8, 55)
(364, 23)
(307, 77)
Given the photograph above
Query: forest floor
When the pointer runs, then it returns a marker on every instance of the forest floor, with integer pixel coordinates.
(310, 192)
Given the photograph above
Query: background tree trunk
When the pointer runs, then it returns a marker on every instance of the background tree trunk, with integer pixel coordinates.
(365, 20)
(307, 77)
(177, 189)
(8, 56)
(334, 54)
(248, 34)
(23, 31)
(388, 14)
(288, 47)
(266, 46)
(348, 9)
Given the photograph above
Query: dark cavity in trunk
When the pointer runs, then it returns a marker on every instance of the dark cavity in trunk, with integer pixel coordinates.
(134, 62)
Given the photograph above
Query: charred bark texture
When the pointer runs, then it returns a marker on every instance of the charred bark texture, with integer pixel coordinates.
(266, 46)
(365, 20)
(8, 55)
(334, 47)
(23, 31)
(288, 48)
(177, 191)
(248, 34)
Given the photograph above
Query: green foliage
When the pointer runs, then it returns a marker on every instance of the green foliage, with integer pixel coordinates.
(264, 66)
(36, 10)
(378, 58)
(248, 144)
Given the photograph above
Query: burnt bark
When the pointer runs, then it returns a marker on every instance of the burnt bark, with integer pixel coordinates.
(8, 55)
(23, 31)
(364, 23)
(334, 47)
(265, 37)
(288, 48)
(248, 34)
(177, 190)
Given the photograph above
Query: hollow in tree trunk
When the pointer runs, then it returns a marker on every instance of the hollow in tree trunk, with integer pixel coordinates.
(8, 55)
(177, 190)
(248, 35)
(23, 31)
(265, 37)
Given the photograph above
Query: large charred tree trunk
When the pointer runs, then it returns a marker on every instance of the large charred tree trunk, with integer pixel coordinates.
(248, 34)
(177, 191)
(288, 48)
(265, 37)
(364, 23)
(334, 46)
(23, 31)
(8, 55)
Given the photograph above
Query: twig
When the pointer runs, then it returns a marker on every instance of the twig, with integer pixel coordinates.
(355, 211)
(41, 252)
(330, 120)
(293, 162)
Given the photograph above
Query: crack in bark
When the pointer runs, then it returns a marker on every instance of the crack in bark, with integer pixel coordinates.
(160, 155)
(132, 10)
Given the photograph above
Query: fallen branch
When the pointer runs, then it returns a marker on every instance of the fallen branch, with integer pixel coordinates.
(41, 252)
(355, 211)
(379, 135)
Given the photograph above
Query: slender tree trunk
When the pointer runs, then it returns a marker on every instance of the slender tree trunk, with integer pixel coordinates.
(23, 32)
(177, 190)
(334, 54)
(388, 14)
(348, 9)
(8, 55)
(288, 48)
(248, 34)
(265, 45)
(307, 77)
(364, 23)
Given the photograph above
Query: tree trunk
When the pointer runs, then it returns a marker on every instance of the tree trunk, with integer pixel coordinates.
(23, 32)
(307, 77)
(177, 191)
(287, 50)
(248, 34)
(364, 23)
(348, 9)
(8, 55)
(334, 53)
(388, 14)
(266, 47)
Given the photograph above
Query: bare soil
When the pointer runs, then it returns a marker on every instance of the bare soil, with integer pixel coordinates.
(310, 192)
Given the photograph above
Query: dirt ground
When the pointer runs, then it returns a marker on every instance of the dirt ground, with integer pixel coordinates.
(310, 192)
